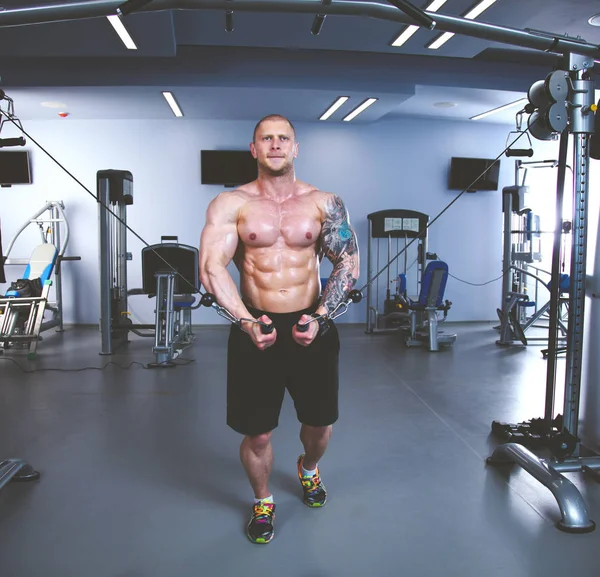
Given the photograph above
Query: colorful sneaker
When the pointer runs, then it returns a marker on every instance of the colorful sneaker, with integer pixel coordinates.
(260, 529)
(315, 494)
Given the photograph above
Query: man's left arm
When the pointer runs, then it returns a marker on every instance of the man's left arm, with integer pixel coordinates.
(339, 245)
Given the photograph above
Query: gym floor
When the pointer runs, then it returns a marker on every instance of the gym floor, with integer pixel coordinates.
(140, 476)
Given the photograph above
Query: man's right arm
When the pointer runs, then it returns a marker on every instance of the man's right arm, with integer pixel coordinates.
(218, 243)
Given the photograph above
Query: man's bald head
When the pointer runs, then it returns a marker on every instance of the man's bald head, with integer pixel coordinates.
(272, 117)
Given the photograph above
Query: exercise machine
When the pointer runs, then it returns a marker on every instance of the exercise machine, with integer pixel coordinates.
(423, 312)
(114, 192)
(522, 253)
(169, 274)
(389, 232)
(571, 91)
(27, 301)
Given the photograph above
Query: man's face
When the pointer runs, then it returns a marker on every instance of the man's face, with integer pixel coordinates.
(274, 147)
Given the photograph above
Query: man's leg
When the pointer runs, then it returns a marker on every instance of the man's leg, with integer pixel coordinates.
(315, 441)
(256, 454)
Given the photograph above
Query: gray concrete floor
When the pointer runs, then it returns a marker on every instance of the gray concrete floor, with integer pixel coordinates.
(141, 477)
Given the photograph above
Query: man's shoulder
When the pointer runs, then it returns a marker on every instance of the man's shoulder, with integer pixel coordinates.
(324, 200)
(227, 205)
(318, 195)
(236, 197)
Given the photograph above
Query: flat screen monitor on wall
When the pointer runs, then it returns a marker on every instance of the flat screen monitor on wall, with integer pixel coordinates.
(465, 171)
(14, 167)
(227, 167)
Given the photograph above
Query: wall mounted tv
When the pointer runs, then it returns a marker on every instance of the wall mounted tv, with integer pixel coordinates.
(227, 167)
(464, 171)
(15, 167)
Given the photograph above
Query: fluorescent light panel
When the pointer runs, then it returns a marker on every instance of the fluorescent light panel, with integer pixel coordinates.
(120, 29)
(479, 9)
(333, 107)
(470, 15)
(440, 40)
(360, 108)
(410, 30)
(499, 109)
(172, 103)
(406, 34)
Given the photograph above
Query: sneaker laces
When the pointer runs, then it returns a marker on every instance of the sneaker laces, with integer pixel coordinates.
(263, 513)
(311, 484)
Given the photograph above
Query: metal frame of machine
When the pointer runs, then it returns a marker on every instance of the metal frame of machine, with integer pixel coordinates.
(22, 318)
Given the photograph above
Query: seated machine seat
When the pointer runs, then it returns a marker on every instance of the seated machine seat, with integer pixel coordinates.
(423, 312)
(433, 286)
(183, 301)
(180, 258)
(41, 265)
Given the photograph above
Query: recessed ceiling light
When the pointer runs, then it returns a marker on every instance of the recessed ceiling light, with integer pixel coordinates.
(360, 108)
(50, 104)
(440, 40)
(173, 104)
(338, 102)
(445, 104)
(122, 32)
(594, 20)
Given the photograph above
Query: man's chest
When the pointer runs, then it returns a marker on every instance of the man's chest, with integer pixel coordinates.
(295, 223)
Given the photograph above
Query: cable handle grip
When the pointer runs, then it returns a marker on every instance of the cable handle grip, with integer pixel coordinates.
(302, 328)
(19, 141)
(210, 300)
(354, 296)
(519, 152)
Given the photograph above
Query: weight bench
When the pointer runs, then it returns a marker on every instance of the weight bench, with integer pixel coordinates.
(423, 313)
(25, 302)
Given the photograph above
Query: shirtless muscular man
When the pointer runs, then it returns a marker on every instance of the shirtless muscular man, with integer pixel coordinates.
(276, 230)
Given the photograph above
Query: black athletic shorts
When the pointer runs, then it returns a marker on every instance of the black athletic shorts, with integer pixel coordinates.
(257, 380)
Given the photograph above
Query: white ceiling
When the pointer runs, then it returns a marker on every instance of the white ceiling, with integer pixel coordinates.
(271, 61)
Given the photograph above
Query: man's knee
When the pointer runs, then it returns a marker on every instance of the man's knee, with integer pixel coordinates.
(258, 443)
(316, 433)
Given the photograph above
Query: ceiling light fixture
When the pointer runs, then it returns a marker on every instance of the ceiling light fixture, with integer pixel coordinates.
(122, 32)
(470, 15)
(594, 20)
(410, 30)
(360, 108)
(499, 109)
(339, 101)
(173, 104)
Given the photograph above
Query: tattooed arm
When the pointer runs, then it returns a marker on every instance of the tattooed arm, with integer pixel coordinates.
(339, 245)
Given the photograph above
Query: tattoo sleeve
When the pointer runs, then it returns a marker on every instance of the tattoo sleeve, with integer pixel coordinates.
(339, 245)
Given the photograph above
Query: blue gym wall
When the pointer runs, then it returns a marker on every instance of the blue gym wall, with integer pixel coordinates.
(396, 164)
